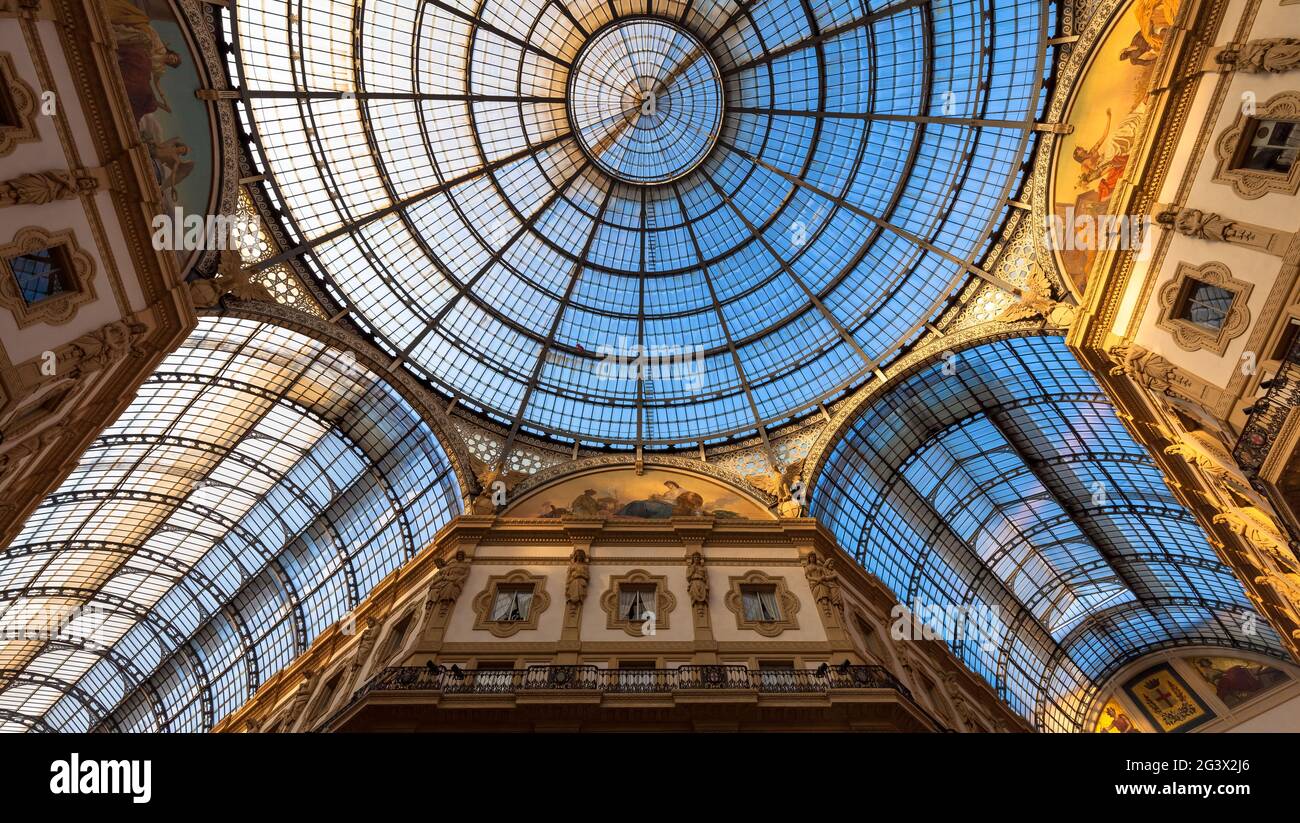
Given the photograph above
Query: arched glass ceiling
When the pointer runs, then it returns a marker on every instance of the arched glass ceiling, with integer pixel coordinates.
(1003, 479)
(424, 157)
(260, 484)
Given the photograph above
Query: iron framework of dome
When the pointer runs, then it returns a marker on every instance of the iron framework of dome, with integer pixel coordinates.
(1001, 479)
(258, 487)
(489, 191)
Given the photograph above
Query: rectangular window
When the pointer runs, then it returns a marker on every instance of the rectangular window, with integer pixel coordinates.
(1272, 146)
(760, 603)
(41, 274)
(636, 602)
(1206, 305)
(395, 640)
(9, 118)
(512, 603)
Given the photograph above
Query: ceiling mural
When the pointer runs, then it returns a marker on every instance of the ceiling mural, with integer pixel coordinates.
(654, 494)
(161, 74)
(1109, 113)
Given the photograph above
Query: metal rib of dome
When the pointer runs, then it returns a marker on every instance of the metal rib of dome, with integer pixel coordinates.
(260, 485)
(425, 159)
(1003, 479)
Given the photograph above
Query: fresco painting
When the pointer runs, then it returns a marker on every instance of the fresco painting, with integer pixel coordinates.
(655, 494)
(1109, 113)
(1237, 681)
(161, 76)
(1115, 720)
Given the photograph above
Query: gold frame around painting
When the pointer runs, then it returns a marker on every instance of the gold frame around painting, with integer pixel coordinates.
(1156, 679)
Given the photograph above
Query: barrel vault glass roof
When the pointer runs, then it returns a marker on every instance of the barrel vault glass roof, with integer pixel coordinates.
(259, 485)
(1002, 479)
(422, 157)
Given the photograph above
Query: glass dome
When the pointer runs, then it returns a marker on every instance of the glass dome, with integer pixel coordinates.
(758, 203)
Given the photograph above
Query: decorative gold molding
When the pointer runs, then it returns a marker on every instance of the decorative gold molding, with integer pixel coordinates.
(1189, 335)
(665, 602)
(483, 604)
(23, 102)
(1248, 183)
(58, 308)
(787, 602)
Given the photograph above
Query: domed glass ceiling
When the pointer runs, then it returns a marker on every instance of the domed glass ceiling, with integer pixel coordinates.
(259, 485)
(1002, 480)
(773, 195)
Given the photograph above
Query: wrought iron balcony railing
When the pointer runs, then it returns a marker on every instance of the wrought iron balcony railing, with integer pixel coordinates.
(1269, 413)
(683, 679)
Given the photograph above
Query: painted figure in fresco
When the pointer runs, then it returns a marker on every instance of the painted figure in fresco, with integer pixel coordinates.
(1139, 52)
(666, 503)
(673, 501)
(1103, 164)
(142, 57)
(1236, 681)
(585, 505)
(1114, 721)
(550, 511)
(1155, 19)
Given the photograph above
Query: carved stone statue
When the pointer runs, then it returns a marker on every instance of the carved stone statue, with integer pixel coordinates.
(1146, 368)
(1274, 55)
(575, 588)
(300, 700)
(824, 582)
(38, 188)
(832, 581)
(1207, 225)
(779, 483)
(231, 279)
(1267, 550)
(494, 486)
(959, 701)
(1200, 450)
(1035, 300)
(447, 583)
(367, 642)
(104, 346)
(697, 581)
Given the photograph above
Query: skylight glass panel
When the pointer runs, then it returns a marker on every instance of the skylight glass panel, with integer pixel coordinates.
(1004, 478)
(782, 152)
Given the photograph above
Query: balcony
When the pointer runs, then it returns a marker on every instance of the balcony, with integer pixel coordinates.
(592, 686)
(1268, 447)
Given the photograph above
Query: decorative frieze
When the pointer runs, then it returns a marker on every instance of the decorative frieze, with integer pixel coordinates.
(39, 188)
(1273, 54)
(1207, 225)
